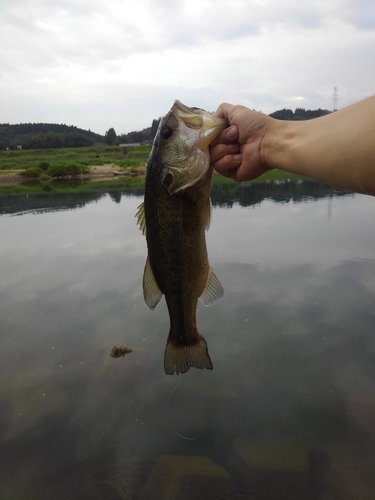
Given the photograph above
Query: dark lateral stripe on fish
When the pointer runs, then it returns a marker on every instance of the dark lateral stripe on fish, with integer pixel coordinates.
(179, 358)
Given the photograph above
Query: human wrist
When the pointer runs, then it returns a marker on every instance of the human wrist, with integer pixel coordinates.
(276, 143)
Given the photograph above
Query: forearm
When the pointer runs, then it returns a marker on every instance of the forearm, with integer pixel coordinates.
(338, 149)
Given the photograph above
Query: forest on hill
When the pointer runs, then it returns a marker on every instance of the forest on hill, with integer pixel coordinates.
(52, 136)
(45, 136)
(299, 114)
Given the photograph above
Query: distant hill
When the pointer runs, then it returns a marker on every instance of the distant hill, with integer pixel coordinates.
(46, 136)
(51, 135)
(299, 114)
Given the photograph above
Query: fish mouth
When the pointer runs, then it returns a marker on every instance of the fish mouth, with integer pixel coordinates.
(209, 125)
(187, 157)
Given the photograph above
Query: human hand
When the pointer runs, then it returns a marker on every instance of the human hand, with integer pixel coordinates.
(238, 151)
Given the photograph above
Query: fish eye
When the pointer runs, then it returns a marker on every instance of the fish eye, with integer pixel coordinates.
(166, 133)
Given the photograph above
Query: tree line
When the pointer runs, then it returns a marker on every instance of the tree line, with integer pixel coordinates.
(51, 136)
(45, 136)
(142, 136)
(299, 114)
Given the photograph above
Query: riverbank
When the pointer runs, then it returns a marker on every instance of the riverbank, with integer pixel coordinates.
(88, 164)
(94, 172)
(111, 171)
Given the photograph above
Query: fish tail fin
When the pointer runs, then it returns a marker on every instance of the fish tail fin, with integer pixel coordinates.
(178, 358)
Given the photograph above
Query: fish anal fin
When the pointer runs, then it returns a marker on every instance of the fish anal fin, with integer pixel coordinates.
(151, 291)
(141, 218)
(213, 290)
(179, 358)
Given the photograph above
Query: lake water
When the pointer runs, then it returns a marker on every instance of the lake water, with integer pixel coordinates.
(288, 411)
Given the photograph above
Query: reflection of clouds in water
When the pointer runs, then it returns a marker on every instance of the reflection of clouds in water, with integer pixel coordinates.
(299, 300)
(274, 234)
(298, 343)
(291, 340)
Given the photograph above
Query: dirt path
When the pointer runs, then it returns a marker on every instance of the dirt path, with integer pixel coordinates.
(106, 169)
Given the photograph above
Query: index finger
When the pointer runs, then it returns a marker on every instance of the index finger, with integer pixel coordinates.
(223, 110)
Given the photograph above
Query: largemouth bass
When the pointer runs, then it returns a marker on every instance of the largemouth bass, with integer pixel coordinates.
(174, 216)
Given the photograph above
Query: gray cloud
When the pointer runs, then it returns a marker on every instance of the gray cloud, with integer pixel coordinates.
(122, 63)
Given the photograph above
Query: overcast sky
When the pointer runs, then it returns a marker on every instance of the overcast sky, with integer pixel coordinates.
(98, 64)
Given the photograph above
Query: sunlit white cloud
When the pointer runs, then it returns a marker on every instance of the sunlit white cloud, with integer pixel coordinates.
(121, 63)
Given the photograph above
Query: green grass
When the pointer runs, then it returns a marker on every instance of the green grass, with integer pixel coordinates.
(270, 175)
(33, 172)
(51, 160)
(84, 157)
(40, 164)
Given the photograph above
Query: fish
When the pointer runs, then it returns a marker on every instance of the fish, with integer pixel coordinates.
(118, 351)
(174, 216)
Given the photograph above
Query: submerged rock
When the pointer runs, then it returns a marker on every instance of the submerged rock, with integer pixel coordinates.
(183, 477)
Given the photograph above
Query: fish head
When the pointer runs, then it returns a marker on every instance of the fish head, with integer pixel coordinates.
(182, 142)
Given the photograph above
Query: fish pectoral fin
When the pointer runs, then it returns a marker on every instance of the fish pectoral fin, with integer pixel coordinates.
(179, 358)
(213, 290)
(141, 218)
(151, 291)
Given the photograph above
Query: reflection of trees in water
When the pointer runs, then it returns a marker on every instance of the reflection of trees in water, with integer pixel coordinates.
(48, 200)
(253, 193)
(20, 204)
(223, 195)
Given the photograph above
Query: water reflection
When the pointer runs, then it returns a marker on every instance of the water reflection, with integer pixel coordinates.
(53, 197)
(288, 411)
(253, 193)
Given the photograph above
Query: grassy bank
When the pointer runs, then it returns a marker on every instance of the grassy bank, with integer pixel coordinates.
(71, 160)
(59, 160)
(47, 163)
(130, 184)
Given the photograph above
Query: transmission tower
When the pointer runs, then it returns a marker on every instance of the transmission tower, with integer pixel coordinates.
(335, 98)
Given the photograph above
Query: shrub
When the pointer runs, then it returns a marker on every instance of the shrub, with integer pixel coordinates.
(44, 165)
(33, 172)
(65, 169)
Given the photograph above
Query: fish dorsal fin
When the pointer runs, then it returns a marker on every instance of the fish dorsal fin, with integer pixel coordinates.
(151, 291)
(208, 214)
(141, 218)
(213, 290)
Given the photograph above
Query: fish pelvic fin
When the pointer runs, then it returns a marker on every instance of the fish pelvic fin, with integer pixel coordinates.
(178, 358)
(151, 291)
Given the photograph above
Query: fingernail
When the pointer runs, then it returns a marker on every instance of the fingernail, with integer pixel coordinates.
(233, 146)
(232, 133)
(237, 158)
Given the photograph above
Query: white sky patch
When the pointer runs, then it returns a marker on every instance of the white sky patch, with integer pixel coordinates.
(121, 63)
(45, 81)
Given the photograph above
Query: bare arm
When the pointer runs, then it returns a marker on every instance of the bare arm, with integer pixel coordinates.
(338, 149)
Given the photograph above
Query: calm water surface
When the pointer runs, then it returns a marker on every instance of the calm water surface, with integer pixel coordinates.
(288, 411)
